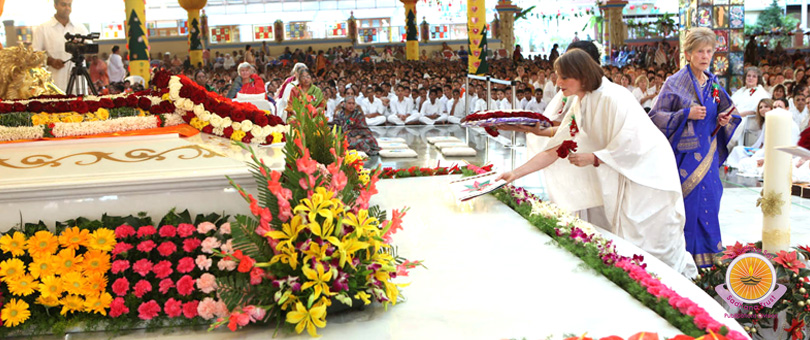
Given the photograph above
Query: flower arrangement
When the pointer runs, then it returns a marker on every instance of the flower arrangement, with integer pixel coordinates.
(791, 271)
(414, 171)
(490, 118)
(312, 240)
(584, 241)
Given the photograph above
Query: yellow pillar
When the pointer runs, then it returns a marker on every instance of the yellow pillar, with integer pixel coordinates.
(615, 28)
(137, 39)
(506, 31)
(412, 38)
(476, 33)
(195, 41)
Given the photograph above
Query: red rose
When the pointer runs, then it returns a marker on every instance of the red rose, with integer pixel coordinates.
(167, 231)
(492, 131)
(185, 91)
(167, 248)
(141, 288)
(119, 266)
(185, 285)
(804, 141)
(144, 103)
(146, 246)
(146, 230)
(208, 129)
(162, 269)
(18, 107)
(173, 308)
(61, 107)
(120, 286)
(119, 102)
(80, 106)
(93, 106)
(185, 265)
(167, 106)
(143, 267)
(35, 106)
(566, 148)
(118, 308)
(190, 244)
(161, 79)
(185, 230)
(106, 103)
(198, 97)
(121, 247)
(132, 101)
(188, 116)
(124, 231)
(238, 116)
(190, 309)
(246, 139)
(5, 108)
(227, 132)
(260, 120)
(165, 285)
(148, 310)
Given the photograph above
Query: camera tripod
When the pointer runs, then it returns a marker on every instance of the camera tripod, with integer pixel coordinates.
(79, 71)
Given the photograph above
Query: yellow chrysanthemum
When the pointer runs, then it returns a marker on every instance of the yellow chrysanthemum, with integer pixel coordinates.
(14, 244)
(73, 283)
(11, 268)
(14, 313)
(42, 266)
(50, 301)
(42, 243)
(96, 262)
(102, 239)
(236, 135)
(95, 283)
(73, 238)
(22, 285)
(67, 261)
(50, 287)
(98, 304)
(71, 303)
(277, 137)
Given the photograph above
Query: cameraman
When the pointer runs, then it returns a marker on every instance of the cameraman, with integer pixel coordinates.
(50, 37)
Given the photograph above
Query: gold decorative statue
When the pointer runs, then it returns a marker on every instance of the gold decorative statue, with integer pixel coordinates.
(23, 74)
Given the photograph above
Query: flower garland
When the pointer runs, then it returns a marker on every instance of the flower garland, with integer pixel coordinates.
(580, 238)
(213, 114)
(790, 270)
(469, 169)
(485, 115)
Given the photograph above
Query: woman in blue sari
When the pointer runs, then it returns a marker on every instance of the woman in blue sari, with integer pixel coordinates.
(698, 117)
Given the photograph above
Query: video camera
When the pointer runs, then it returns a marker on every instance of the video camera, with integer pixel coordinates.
(77, 46)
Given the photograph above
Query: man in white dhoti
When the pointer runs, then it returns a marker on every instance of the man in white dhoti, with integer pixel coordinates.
(431, 112)
(625, 161)
(402, 108)
(373, 109)
(50, 37)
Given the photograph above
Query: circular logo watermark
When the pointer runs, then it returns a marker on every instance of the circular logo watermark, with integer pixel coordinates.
(751, 278)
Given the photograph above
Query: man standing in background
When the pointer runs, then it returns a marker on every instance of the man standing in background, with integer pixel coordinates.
(50, 37)
(115, 67)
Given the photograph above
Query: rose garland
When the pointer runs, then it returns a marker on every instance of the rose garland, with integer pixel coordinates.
(388, 173)
(504, 114)
(580, 238)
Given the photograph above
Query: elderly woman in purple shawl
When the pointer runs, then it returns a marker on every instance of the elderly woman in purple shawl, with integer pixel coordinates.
(697, 116)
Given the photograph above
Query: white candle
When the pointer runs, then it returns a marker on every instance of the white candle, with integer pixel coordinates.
(776, 189)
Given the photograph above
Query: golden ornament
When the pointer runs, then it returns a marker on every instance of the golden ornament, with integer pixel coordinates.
(771, 204)
(22, 74)
(192, 5)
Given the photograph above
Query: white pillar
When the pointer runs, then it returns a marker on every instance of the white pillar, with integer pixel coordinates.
(804, 14)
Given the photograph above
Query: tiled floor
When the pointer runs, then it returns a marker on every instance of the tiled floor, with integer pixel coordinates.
(740, 219)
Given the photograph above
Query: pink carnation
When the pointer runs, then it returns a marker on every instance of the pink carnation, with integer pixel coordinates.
(165, 285)
(121, 247)
(190, 309)
(167, 248)
(209, 244)
(185, 285)
(120, 286)
(185, 265)
(141, 288)
(143, 267)
(146, 231)
(119, 266)
(702, 321)
(173, 308)
(225, 229)
(205, 227)
(118, 308)
(167, 231)
(227, 248)
(124, 231)
(185, 230)
(203, 262)
(190, 244)
(162, 269)
(207, 283)
(220, 309)
(226, 265)
(146, 246)
(255, 313)
(206, 308)
(148, 310)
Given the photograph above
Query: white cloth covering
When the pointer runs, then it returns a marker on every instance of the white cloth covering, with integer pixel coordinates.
(636, 163)
(50, 37)
(281, 103)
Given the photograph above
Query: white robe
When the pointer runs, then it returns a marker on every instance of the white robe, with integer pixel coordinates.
(745, 101)
(637, 164)
(281, 103)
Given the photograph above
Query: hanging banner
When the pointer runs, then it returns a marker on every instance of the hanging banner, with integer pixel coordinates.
(137, 40)
(477, 37)
(412, 38)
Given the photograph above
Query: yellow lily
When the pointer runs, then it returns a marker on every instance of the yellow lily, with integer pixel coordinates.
(309, 319)
(287, 254)
(289, 231)
(363, 296)
(318, 280)
(316, 205)
(361, 222)
(324, 229)
(315, 251)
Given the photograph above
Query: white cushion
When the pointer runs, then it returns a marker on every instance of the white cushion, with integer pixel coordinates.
(397, 153)
(390, 140)
(439, 139)
(393, 145)
(443, 145)
(459, 151)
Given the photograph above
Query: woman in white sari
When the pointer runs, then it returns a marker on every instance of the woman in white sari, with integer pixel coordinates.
(626, 159)
(283, 95)
(746, 100)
